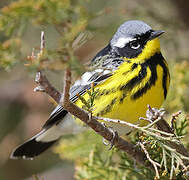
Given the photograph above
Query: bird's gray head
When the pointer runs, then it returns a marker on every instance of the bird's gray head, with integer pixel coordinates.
(131, 37)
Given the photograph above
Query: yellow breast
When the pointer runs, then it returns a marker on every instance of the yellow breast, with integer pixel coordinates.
(111, 106)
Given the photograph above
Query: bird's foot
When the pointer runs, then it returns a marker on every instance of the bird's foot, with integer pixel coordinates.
(112, 142)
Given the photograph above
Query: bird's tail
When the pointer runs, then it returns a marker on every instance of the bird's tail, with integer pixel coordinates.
(51, 132)
(33, 147)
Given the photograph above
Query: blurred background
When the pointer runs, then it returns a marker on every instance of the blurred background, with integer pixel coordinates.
(23, 112)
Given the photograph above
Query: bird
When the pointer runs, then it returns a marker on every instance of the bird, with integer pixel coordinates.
(129, 74)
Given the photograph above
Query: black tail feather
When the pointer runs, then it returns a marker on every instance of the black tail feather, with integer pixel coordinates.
(30, 149)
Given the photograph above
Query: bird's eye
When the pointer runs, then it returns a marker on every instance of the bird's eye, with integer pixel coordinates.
(134, 44)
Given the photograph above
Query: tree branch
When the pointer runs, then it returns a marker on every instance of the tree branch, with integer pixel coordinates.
(129, 148)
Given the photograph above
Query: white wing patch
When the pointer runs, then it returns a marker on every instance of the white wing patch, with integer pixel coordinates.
(89, 77)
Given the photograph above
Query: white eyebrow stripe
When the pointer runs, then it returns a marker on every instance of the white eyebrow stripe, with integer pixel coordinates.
(121, 42)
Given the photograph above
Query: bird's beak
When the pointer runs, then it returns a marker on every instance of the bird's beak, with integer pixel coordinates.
(155, 34)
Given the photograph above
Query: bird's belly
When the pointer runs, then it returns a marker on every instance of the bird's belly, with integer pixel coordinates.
(129, 109)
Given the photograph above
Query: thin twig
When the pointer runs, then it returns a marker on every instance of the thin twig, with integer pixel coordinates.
(155, 164)
(42, 46)
(143, 129)
(164, 159)
(174, 117)
(45, 86)
(40, 79)
(172, 167)
(66, 90)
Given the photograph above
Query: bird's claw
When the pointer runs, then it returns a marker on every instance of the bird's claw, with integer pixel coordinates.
(114, 137)
(112, 142)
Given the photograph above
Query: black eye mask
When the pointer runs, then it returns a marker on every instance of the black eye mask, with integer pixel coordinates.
(130, 50)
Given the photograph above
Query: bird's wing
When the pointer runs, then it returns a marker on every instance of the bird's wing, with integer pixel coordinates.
(105, 65)
(80, 88)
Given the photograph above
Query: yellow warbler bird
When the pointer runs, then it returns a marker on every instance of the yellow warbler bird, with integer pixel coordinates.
(129, 73)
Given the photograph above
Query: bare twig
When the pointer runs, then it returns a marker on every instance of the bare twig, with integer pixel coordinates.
(174, 117)
(144, 129)
(45, 86)
(66, 90)
(42, 46)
